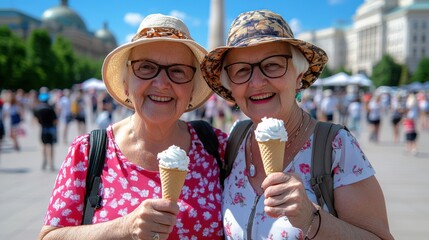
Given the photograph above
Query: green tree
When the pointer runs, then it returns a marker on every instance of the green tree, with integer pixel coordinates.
(66, 65)
(405, 75)
(422, 71)
(42, 59)
(327, 72)
(386, 72)
(87, 68)
(344, 70)
(12, 60)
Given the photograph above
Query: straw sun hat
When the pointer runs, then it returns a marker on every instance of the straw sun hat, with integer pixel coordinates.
(254, 28)
(154, 28)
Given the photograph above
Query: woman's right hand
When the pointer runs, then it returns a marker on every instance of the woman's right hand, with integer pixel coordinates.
(153, 216)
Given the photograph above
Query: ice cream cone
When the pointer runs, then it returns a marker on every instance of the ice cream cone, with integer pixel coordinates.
(172, 181)
(272, 152)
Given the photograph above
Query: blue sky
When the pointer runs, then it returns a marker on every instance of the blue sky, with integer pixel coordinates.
(124, 16)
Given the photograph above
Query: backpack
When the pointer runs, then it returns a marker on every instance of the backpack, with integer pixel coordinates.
(321, 162)
(74, 107)
(97, 154)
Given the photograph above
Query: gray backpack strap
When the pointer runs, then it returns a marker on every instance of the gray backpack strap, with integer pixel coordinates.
(321, 164)
(234, 141)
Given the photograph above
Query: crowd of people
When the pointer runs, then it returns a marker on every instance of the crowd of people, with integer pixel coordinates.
(407, 112)
(150, 97)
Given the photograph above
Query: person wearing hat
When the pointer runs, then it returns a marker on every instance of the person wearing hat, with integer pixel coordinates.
(48, 119)
(262, 69)
(157, 75)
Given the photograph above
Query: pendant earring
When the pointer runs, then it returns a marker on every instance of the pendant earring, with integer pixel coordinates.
(298, 96)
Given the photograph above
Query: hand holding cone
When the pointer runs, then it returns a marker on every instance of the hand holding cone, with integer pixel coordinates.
(271, 136)
(173, 167)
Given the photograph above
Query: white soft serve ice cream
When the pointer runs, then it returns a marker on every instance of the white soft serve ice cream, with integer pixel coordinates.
(173, 158)
(269, 129)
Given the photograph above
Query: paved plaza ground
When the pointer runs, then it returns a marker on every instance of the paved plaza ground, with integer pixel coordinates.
(25, 189)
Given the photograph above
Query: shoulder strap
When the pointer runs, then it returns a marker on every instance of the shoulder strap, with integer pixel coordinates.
(97, 153)
(235, 139)
(321, 165)
(209, 139)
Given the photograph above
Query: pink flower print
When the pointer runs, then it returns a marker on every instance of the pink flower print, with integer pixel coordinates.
(337, 169)
(228, 229)
(271, 237)
(307, 144)
(338, 143)
(357, 171)
(238, 199)
(240, 183)
(305, 168)
(284, 234)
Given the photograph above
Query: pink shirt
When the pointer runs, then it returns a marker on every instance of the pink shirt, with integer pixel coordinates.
(125, 185)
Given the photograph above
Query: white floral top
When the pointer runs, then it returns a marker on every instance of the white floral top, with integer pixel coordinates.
(125, 185)
(239, 196)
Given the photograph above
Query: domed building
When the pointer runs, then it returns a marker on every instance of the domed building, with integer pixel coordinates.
(64, 21)
(63, 16)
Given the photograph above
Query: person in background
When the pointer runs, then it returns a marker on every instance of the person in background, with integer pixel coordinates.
(63, 109)
(157, 75)
(78, 110)
(262, 69)
(355, 115)
(14, 110)
(329, 105)
(410, 134)
(374, 117)
(397, 109)
(2, 128)
(47, 118)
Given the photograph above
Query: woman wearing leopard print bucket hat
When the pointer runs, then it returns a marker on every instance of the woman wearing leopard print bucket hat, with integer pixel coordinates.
(262, 69)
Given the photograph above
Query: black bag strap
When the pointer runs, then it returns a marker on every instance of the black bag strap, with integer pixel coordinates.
(97, 154)
(235, 139)
(209, 139)
(321, 164)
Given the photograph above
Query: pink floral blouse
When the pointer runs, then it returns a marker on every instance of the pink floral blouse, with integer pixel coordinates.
(239, 197)
(125, 185)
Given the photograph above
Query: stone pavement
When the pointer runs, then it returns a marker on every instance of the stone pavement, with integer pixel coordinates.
(25, 189)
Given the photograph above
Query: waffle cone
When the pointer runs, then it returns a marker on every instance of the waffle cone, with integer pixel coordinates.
(272, 153)
(172, 181)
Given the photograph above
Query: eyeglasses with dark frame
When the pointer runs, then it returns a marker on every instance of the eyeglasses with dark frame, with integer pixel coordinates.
(147, 70)
(273, 67)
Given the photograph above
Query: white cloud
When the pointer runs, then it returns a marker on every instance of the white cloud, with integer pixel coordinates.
(178, 14)
(186, 18)
(133, 19)
(295, 25)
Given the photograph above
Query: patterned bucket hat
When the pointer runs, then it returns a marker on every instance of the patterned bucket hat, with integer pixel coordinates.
(154, 28)
(254, 28)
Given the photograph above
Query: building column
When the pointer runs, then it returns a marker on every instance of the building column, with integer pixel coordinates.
(216, 24)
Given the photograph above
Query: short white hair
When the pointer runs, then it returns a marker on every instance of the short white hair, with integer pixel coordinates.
(298, 60)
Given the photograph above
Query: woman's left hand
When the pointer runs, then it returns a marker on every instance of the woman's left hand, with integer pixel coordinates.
(285, 196)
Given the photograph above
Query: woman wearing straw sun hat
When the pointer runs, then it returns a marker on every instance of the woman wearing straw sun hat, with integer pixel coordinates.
(157, 75)
(262, 69)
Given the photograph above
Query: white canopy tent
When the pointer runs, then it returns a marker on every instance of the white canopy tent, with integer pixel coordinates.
(93, 83)
(342, 79)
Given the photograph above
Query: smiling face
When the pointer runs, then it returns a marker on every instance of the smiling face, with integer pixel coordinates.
(262, 96)
(159, 99)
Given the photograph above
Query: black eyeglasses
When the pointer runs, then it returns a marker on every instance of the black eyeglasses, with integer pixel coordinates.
(147, 70)
(272, 67)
